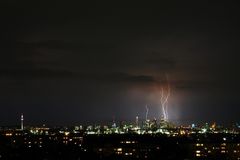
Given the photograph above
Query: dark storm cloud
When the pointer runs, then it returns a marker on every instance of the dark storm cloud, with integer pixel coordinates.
(34, 73)
(160, 61)
(124, 77)
(59, 56)
(195, 85)
(103, 56)
(36, 63)
(97, 78)
(61, 45)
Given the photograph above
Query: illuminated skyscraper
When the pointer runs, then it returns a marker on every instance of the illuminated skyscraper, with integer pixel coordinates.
(137, 124)
(22, 127)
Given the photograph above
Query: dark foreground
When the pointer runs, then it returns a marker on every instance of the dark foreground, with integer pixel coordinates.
(121, 146)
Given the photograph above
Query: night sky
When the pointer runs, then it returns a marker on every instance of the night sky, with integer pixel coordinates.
(66, 62)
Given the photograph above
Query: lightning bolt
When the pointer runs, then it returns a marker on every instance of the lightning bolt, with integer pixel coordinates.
(164, 100)
(162, 103)
(147, 112)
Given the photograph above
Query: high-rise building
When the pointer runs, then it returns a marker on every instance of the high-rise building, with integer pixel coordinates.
(137, 124)
(22, 127)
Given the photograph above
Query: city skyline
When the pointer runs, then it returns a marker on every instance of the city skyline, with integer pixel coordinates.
(68, 63)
